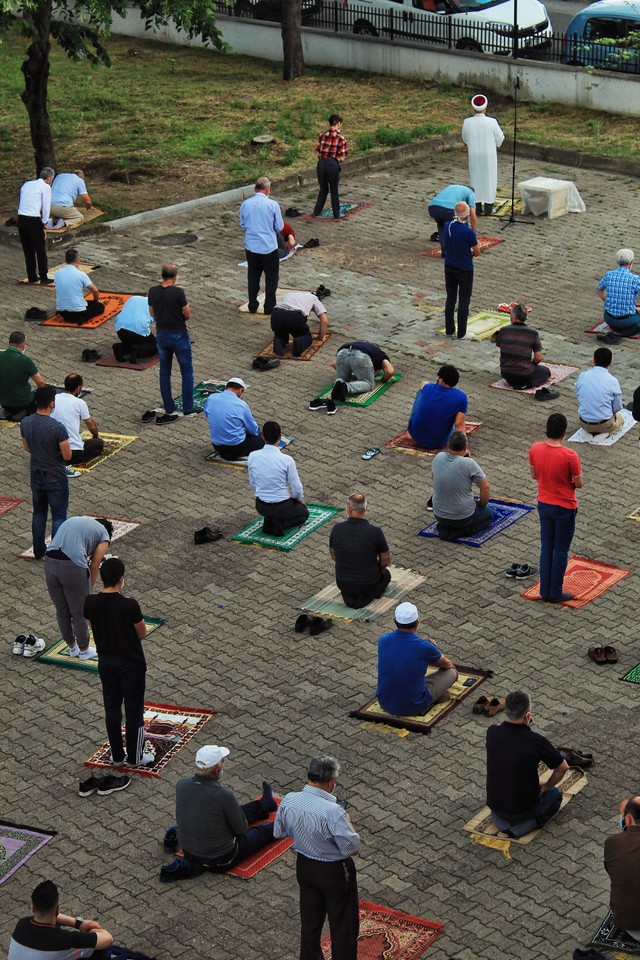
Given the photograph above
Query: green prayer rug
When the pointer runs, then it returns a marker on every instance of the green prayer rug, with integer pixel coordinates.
(633, 676)
(252, 533)
(201, 392)
(362, 399)
(57, 652)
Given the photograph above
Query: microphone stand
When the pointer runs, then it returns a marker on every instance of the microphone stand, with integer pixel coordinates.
(512, 219)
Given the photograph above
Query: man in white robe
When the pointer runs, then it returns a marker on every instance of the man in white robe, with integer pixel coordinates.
(483, 136)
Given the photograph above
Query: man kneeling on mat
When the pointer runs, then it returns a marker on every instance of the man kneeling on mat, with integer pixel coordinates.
(274, 479)
(290, 318)
(456, 511)
(71, 285)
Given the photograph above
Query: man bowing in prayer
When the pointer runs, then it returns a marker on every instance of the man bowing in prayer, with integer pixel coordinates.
(483, 136)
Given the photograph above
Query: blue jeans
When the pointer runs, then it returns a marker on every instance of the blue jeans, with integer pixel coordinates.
(170, 343)
(47, 492)
(547, 806)
(624, 326)
(557, 526)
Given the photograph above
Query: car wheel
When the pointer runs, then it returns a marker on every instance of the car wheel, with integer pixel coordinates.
(243, 8)
(365, 29)
(469, 45)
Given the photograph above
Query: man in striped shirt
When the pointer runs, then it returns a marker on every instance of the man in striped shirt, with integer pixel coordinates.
(521, 352)
(325, 842)
(332, 149)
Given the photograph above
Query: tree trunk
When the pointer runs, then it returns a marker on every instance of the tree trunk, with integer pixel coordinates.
(36, 80)
(293, 59)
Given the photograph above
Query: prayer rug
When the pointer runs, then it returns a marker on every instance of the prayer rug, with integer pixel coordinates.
(8, 503)
(633, 675)
(215, 457)
(635, 515)
(612, 938)
(120, 528)
(113, 304)
(328, 602)
(143, 364)
(404, 442)
(484, 324)
(603, 327)
(558, 372)
(84, 267)
(201, 392)
(469, 679)
(113, 443)
(603, 439)
(8, 423)
(585, 579)
(505, 512)
(246, 869)
(268, 353)
(389, 934)
(484, 242)
(502, 206)
(362, 399)
(57, 652)
(347, 209)
(252, 533)
(17, 844)
(89, 214)
(482, 826)
(280, 292)
(167, 729)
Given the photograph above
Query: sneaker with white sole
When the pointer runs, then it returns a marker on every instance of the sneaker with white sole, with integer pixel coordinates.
(89, 654)
(318, 404)
(33, 646)
(87, 787)
(70, 472)
(112, 783)
(18, 644)
(147, 760)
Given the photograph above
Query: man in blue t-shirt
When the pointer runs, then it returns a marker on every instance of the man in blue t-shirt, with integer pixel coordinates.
(438, 409)
(71, 285)
(461, 246)
(403, 658)
(442, 207)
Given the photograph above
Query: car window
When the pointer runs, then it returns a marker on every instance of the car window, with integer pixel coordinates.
(606, 28)
(466, 6)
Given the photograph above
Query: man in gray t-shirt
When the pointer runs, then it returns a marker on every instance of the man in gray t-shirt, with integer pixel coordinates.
(456, 511)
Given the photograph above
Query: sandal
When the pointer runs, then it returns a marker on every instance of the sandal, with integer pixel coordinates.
(480, 706)
(610, 654)
(496, 705)
(371, 453)
(597, 654)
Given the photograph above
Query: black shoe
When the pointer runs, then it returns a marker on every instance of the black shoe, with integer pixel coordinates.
(272, 527)
(167, 418)
(331, 408)
(323, 292)
(148, 416)
(193, 413)
(430, 504)
(310, 244)
(170, 839)
(90, 356)
(434, 237)
(292, 212)
(318, 404)
(301, 623)
(112, 784)
(47, 282)
(609, 338)
(207, 535)
(35, 313)
(318, 625)
(563, 598)
(339, 391)
(262, 364)
(87, 787)
(545, 394)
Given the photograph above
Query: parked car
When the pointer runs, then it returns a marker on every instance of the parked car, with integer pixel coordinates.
(594, 36)
(272, 9)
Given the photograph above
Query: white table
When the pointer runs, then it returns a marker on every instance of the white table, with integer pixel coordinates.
(553, 197)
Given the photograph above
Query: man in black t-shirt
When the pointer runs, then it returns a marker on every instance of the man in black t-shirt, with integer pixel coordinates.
(356, 365)
(51, 935)
(118, 627)
(518, 801)
(361, 555)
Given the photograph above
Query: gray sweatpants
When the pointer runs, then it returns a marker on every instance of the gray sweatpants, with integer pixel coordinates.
(68, 586)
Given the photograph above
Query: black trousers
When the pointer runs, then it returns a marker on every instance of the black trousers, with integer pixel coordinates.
(123, 681)
(328, 173)
(34, 247)
(328, 889)
(539, 375)
(358, 595)
(459, 284)
(259, 263)
(93, 309)
(236, 450)
(291, 323)
(291, 512)
(136, 345)
(245, 845)
(92, 447)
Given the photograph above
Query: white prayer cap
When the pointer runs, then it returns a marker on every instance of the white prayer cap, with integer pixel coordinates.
(479, 102)
(406, 613)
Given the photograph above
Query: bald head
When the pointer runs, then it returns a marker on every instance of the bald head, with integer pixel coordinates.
(630, 812)
(263, 185)
(462, 211)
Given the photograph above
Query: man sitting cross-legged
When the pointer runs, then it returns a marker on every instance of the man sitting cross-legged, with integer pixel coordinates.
(521, 352)
(600, 396)
(438, 409)
(71, 410)
(361, 555)
(454, 475)
(234, 432)
(51, 935)
(71, 284)
(274, 479)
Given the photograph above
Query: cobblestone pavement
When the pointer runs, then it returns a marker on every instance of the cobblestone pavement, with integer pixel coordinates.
(229, 641)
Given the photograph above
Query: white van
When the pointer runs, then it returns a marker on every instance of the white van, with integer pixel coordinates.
(482, 25)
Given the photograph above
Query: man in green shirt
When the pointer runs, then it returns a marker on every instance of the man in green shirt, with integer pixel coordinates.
(16, 369)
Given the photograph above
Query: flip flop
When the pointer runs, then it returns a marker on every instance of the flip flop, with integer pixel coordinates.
(597, 654)
(611, 654)
(480, 706)
(371, 453)
(496, 705)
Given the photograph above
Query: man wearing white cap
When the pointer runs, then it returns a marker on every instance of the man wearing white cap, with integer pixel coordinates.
(483, 136)
(404, 688)
(234, 432)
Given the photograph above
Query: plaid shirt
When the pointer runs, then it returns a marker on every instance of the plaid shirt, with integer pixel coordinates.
(622, 288)
(332, 146)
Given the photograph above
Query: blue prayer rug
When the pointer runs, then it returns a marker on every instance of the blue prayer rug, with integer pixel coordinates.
(505, 512)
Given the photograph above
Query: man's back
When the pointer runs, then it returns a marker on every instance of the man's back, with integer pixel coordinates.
(453, 479)
(69, 411)
(40, 941)
(318, 826)
(112, 617)
(261, 220)
(459, 239)
(228, 416)
(167, 303)
(403, 658)
(208, 817)
(70, 285)
(66, 188)
(514, 751)
(357, 545)
(434, 412)
(599, 394)
(15, 370)
(622, 862)
(517, 343)
(44, 436)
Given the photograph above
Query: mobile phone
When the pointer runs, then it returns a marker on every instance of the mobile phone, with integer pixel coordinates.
(469, 682)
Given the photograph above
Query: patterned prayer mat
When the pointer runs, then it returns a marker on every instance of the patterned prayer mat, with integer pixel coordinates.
(120, 528)
(422, 723)
(483, 324)
(559, 371)
(404, 442)
(113, 304)
(8, 423)
(503, 207)
(92, 213)
(201, 392)
(611, 938)
(362, 399)
(603, 439)
(280, 292)
(635, 515)
(218, 461)
(505, 512)
(328, 602)
(84, 267)
(482, 826)
(485, 243)
(17, 844)
(143, 364)
(603, 327)
(389, 934)
(248, 868)
(586, 579)
(252, 533)
(113, 443)
(57, 652)
(633, 675)
(167, 729)
(268, 353)
(347, 209)
(8, 503)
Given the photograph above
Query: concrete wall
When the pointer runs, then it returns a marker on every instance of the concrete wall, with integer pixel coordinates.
(613, 93)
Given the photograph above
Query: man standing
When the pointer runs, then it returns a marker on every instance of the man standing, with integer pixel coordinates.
(51, 935)
(274, 479)
(619, 290)
(325, 843)
(519, 803)
(559, 474)
(47, 441)
(16, 369)
(332, 149)
(622, 863)
(33, 214)
(456, 511)
(461, 246)
(71, 410)
(483, 136)
(361, 555)
(521, 353)
(169, 308)
(599, 396)
(442, 207)
(234, 432)
(404, 688)
(133, 329)
(356, 365)
(290, 319)
(71, 284)
(118, 628)
(261, 220)
(65, 190)
(438, 409)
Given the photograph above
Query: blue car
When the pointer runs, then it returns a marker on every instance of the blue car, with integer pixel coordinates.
(596, 36)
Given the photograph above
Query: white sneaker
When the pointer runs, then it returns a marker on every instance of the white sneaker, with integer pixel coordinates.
(33, 646)
(148, 759)
(18, 644)
(88, 654)
(73, 651)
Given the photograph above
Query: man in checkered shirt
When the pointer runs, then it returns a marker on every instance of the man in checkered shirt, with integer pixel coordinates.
(618, 290)
(332, 149)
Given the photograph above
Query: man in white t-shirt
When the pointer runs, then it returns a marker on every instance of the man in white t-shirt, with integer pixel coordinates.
(71, 285)
(70, 410)
(65, 190)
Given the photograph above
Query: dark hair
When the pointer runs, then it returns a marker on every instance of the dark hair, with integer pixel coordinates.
(449, 374)
(45, 897)
(457, 441)
(17, 337)
(43, 396)
(602, 357)
(107, 525)
(169, 271)
(271, 431)
(334, 118)
(72, 382)
(556, 426)
(632, 807)
(111, 571)
(70, 255)
(406, 626)
(519, 312)
(516, 704)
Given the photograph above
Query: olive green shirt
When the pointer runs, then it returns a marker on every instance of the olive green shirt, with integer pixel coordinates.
(15, 371)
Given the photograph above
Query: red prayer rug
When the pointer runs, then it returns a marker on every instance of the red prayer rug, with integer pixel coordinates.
(404, 442)
(389, 934)
(8, 503)
(603, 327)
(585, 579)
(262, 858)
(113, 304)
(485, 243)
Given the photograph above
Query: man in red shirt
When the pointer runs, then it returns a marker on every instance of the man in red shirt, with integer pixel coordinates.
(332, 149)
(559, 475)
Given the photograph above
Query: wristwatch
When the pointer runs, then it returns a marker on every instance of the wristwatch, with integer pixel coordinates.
(79, 922)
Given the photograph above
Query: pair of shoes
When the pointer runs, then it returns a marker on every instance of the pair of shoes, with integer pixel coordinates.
(292, 212)
(323, 292)
(26, 645)
(70, 472)
(192, 413)
(563, 598)
(147, 760)
(339, 391)
(207, 535)
(609, 338)
(149, 415)
(89, 654)
(545, 394)
(575, 758)
(434, 237)
(520, 571)
(488, 705)
(166, 418)
(602, 655)
(90, 356)
(103, 785)
(262, 364)
(430, 504)
(315, 625)
(35, 313)
(310, 244)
